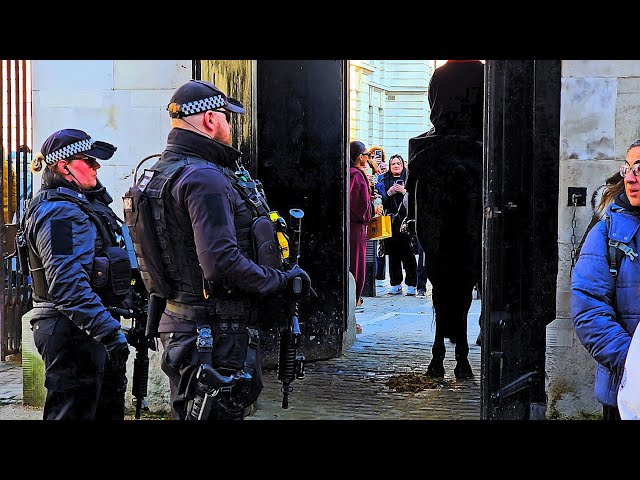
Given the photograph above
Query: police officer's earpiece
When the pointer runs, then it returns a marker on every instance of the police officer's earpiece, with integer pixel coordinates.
(66, 168)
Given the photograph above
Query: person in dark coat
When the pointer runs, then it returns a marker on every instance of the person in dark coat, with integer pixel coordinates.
(401, 257)
(378, 159)
(360, 214)
(79, 273)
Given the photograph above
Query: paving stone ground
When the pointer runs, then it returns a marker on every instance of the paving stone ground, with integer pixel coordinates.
(397, 337)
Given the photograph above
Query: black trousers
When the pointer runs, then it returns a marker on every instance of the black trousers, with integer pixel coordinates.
(82, 382)
(179, 363)
(610, 413)
(381, 266)
(421, 270)
(398, 247)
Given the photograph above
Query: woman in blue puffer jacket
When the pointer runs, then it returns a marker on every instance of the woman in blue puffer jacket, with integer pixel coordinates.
(606, 309)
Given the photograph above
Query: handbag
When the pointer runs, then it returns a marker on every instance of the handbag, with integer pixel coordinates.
(379, 227)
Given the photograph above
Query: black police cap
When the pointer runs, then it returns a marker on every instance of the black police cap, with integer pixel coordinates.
(197, 96)
(69, 142)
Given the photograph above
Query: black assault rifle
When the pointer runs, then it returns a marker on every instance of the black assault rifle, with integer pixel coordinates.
(143, 305)
(291, 365)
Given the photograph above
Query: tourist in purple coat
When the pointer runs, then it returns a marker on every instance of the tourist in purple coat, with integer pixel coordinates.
(361, 212)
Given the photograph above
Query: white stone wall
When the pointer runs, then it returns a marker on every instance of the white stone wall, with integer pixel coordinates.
(389, 102)
(119, 101)
(600, 107)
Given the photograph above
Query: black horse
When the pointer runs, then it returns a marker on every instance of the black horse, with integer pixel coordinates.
(445, 200)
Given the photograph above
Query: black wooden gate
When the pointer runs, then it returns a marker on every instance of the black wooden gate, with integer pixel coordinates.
(294, 139)
(522, 131)
(15, 151)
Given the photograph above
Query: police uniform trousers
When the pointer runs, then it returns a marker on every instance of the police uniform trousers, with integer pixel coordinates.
(81, 381)
(181, 359)
(179, 363)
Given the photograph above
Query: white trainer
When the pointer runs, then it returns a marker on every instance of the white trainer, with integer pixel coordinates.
(411, 290)
(395, 290)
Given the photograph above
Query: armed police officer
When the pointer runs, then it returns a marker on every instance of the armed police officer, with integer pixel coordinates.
(206, 245)
(79, 274)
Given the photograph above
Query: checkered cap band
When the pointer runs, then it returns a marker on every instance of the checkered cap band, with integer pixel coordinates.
(209, 103)
(68, 151)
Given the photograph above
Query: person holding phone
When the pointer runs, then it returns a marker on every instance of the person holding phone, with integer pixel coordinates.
(398, 247)
(377, 158)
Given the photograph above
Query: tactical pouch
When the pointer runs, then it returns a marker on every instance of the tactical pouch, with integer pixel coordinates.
(100, 273)
(236, 347)
(119, 270)
(230, 342)
(139, 218)
(265, 246)
(154, 313)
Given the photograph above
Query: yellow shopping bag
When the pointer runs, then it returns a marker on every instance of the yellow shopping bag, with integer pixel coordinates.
(379, 227)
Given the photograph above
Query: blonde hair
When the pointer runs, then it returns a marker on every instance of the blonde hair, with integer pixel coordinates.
(36, 162)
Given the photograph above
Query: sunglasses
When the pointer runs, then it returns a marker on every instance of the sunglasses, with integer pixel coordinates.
(227, 115)
(90, 161)
(635, 169)
(366, 154)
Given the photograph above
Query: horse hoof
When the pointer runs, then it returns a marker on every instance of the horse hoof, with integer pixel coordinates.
(435, 370)
(463, 370)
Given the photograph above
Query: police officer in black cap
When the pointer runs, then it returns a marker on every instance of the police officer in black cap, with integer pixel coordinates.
(79, 273)
(218, 254)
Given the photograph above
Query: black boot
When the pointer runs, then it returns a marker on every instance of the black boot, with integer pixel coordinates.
(463, 368)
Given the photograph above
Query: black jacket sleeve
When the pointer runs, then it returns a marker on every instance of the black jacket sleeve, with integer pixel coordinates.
(65, 241)
(206, 194)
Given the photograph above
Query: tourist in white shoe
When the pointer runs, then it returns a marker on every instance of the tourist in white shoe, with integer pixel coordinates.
(402, 260)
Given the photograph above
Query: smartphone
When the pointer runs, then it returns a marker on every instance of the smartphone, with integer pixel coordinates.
(378, 153)
(400, 182)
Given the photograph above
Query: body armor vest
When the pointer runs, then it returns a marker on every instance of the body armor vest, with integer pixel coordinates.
(110, 276)
(164, 244)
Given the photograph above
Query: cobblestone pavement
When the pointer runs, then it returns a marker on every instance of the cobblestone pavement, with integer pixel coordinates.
(397, 336)
(398, 333)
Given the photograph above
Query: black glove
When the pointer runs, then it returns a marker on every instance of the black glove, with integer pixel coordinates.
(117, 346)
(297, 272)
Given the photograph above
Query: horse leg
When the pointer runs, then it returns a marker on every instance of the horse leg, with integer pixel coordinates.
(463, 368)
(438, 351)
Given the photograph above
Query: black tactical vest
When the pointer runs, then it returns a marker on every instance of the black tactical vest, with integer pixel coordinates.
(164, 244)
(110, 277)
